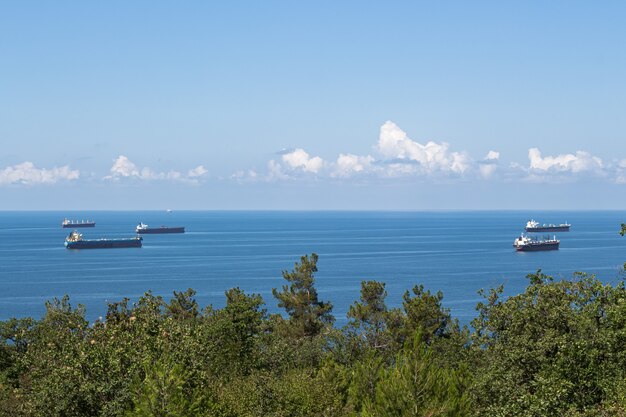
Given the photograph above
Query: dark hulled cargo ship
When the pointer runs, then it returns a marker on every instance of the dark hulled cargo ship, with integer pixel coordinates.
(145, 229)
(532, 244)
(71, 224)
(75, 241)
(533, 226)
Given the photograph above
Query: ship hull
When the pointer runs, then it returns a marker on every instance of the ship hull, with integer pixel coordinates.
(105, 244)
(537, 247)
(160, 230)
(75, 225)
(548, 229)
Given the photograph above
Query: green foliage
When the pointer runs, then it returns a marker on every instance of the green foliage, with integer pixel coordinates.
(416, 386)
(370, 311)
(15, 335)
(368, 327)
(234, 332)
(164, 392)
(556, 349)
(307, 314)
(183, 305)
(425, 314)
(364, 377)
(297, 392)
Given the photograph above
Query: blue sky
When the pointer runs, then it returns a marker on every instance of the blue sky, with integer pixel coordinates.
(320, 105)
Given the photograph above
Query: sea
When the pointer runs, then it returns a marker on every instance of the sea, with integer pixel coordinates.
(455, 252)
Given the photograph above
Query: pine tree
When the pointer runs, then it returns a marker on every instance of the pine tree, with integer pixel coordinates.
(307, 314)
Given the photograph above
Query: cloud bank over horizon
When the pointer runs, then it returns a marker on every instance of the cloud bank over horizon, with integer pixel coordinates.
(398, 156)
(124, 168)
(567, 167)
(394, 156)
(27, 173)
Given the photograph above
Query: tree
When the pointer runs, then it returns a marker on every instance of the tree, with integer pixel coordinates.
(183, 305)
(425, 314)
(237, 328)
(415, 385)
(53, 359)
(556, 349)
(369, 318)
(307, 314)
(164, 392)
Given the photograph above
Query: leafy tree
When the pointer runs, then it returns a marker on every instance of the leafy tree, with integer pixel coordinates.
(555, 349)
(15, 336)
(236, 329)
(53, 358)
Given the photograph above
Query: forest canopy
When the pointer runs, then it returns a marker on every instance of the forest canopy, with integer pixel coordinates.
(558, 348)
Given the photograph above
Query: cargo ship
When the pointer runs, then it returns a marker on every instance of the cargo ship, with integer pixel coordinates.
(530, 244)
(534, 226)
(71, 224)
(145, 229)
(75, 241)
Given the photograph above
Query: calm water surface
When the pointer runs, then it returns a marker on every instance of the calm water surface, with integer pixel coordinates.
(455, 252)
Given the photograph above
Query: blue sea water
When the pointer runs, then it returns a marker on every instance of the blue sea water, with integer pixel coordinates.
(456, 252)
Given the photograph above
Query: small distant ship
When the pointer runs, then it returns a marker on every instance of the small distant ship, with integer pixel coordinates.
(529, 244)
(75, 241)
(534, 226)
(71, 224)
(145, 229)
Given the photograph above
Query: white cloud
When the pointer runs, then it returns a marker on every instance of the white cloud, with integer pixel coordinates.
(197, 172)
(492, 156)
(564, 167)
(487, 170)
(488, 166)
(245, 174)
(275, 171)
(432, 157)
(299, 159)
(27, 173)
(620, 174)
(125, 168)
(579, 162)
(399, 156)
(348, 164)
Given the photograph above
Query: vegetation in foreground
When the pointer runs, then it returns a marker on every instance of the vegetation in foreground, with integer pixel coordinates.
(558, 349)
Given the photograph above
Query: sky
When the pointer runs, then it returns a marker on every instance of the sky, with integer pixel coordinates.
(312, 105)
